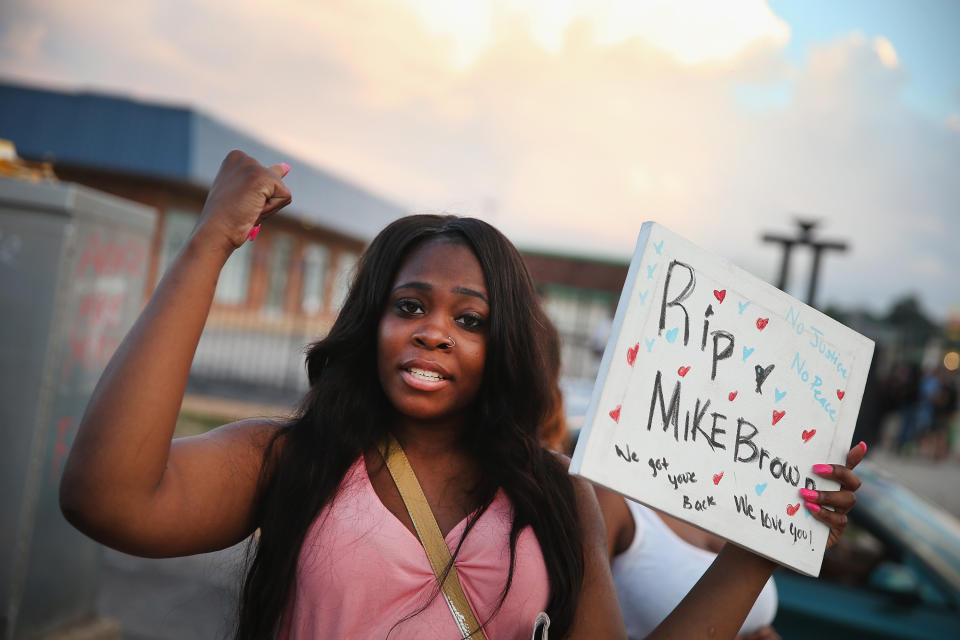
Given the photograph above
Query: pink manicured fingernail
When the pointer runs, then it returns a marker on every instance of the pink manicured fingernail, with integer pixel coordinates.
(864, 445)
(286, 168)
(812, 506)
(809, 494)
(823, 468)
(253, 233)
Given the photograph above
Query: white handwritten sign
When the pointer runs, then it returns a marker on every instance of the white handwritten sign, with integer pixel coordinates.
(717, 393)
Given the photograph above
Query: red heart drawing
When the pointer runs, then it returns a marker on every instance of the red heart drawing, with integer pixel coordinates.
(840, 394)
(806, 435)
(717, 477)
(792, 509)
(720, 295)
(683, 371)
(732, 395)
(615, 414)
(777, 415)
(632, 354)
(762, 322)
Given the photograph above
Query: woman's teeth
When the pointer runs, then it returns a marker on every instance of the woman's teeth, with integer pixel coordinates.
(426, 375)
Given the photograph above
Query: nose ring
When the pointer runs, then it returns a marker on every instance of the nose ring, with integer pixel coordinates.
(450, 344)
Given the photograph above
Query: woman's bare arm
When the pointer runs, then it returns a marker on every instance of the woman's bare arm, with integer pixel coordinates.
(617, 520)
(598, 610)
(124, 483)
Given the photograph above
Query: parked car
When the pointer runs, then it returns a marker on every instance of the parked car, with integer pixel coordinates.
(894, 574)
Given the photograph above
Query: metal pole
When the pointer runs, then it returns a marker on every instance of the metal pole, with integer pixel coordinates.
(805, 237)
(814, 273)
(787, 246)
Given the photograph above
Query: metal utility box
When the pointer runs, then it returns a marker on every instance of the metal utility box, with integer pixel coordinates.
(73, 264)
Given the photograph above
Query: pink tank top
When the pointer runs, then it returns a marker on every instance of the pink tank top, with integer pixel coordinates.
(361, 571)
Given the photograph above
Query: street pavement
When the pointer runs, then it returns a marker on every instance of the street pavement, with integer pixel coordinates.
(194, 598)
(191, 598)
(936, 481)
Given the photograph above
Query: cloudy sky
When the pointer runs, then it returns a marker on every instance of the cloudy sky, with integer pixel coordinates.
(569, 123)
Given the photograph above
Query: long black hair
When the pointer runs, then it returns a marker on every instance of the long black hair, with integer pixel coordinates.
(345, 412)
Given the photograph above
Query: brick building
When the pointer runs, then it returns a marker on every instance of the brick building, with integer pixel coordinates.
(580, 295)
(284, 290)
(274, 294)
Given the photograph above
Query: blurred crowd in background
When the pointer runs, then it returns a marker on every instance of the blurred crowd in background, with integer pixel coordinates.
(911, 399)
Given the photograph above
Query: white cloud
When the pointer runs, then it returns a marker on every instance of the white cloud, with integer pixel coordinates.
(554, 125)
(926, 267)
(690, 31)
(885, 51)
(24, 39)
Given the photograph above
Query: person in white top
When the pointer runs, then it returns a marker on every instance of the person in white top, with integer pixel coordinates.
(655, 558)
(655, 564)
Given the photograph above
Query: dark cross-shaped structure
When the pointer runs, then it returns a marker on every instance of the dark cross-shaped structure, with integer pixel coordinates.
(805, 238)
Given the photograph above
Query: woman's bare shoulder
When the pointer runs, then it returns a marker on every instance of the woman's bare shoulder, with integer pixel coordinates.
(562, 458)
(253, 433)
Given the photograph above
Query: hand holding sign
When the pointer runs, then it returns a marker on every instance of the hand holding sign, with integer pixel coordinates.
(838, 502)
(754, 394)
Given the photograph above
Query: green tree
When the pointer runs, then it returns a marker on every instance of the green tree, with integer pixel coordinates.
(915, 328)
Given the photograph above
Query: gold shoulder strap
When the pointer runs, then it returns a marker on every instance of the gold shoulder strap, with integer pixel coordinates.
(430, 537)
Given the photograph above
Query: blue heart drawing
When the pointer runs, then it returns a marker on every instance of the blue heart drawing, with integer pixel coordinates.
(778, 395)
(747, 353)
(649, 342)
(643, 296)
(672, 335)
(743, 306)
(650, 269)
(658, 247)
(760, 488)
